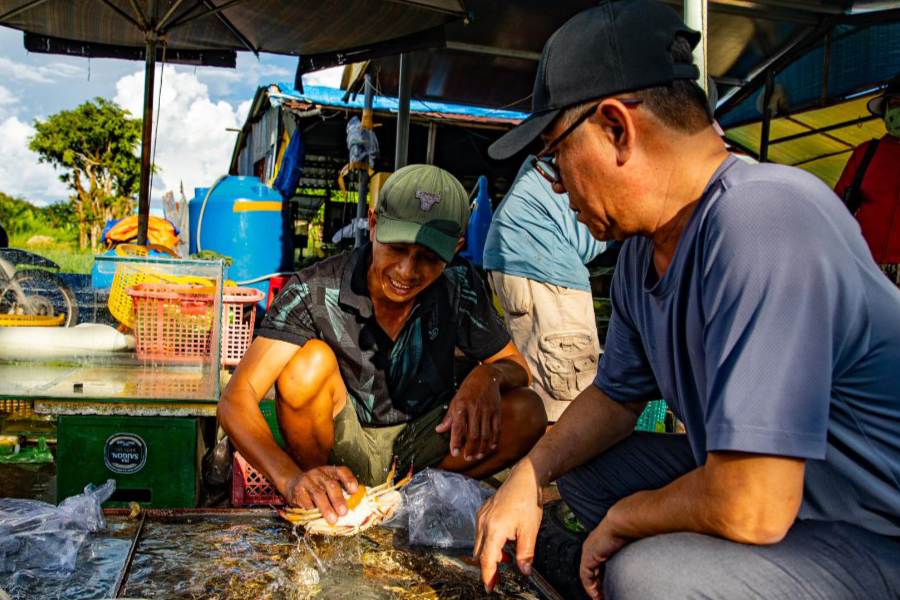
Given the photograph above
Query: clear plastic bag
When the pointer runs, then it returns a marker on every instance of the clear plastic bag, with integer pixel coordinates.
(439, 509)
(362, 143)
(37, 535)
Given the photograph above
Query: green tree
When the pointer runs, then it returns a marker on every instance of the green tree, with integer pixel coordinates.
(94, 145)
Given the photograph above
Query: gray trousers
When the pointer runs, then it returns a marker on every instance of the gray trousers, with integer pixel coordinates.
(816, 560)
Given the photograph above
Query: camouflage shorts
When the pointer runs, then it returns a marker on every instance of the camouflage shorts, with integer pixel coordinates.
(369, 451)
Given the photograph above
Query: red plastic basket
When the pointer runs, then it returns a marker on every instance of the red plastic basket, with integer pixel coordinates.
(173, 322)
(276, 284)
(250, 487)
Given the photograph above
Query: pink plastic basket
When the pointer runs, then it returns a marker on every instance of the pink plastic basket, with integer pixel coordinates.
(249, 486)
(173, 322)
(238, 317)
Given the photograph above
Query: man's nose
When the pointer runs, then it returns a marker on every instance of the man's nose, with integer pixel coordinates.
(559, 188)
(406, 267)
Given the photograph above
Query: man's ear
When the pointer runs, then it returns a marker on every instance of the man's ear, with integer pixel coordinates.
(617, 126)
(459, 244)
(373, 220)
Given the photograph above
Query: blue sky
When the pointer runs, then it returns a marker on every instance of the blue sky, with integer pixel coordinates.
(198, 106)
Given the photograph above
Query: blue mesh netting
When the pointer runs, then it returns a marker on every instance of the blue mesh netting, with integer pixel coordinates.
(860, 58)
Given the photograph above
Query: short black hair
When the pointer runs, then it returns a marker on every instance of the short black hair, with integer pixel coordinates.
(680, 104)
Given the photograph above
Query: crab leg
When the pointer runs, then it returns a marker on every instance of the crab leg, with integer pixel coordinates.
(383, 489)
(292, 517)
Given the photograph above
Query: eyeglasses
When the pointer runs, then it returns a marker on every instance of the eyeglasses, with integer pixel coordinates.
(545, 161)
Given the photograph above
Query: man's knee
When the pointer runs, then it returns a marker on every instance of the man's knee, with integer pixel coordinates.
(662, 566)
(307, 374)
(587, 498)
(523, 416)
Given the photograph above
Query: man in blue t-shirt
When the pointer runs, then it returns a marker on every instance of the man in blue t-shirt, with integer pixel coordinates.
(746, 296)
(535, 254)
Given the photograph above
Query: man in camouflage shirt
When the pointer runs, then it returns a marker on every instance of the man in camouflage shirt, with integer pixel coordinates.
(360, 348)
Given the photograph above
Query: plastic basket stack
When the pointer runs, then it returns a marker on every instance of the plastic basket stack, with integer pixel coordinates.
(173, 322)
(128, 275)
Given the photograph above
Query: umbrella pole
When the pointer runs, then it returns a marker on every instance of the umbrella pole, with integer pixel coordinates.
(146, 138)
(402, 148)
(695, 12)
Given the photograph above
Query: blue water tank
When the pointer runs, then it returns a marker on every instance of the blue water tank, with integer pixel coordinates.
(246, 220)
(194, 215)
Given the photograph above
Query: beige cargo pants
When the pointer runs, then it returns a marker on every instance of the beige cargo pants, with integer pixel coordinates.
(555, 329)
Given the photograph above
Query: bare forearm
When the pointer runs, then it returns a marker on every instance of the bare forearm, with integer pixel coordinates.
(589, 426)
(240, 417)
(738, 502)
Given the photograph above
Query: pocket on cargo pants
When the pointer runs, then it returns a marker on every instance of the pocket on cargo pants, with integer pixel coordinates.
(569, 362)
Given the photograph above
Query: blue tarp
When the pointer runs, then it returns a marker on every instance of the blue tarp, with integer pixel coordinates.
(333, 97)
(291, 166)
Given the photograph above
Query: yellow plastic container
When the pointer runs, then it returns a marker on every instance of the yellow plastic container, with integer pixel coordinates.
(128, 275)
(31, 321)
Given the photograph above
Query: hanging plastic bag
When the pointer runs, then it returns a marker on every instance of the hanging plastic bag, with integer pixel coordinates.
(37, 535)
(362, 143)
(439, 509)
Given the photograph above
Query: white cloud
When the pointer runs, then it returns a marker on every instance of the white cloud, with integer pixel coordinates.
(20, 173)
(66, 69)
(38, 73)
(243, 110)
(192, 144)
(8, 103)
(249, 73)
(326, 77)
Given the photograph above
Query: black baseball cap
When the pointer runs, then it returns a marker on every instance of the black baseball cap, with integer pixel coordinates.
(618, 46)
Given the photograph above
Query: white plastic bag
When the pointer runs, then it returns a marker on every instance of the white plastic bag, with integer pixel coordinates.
(439, 509)
(37, 535)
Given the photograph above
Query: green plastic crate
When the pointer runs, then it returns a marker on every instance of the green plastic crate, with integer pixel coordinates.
(267, 407)
(653, 418)
(154, 460)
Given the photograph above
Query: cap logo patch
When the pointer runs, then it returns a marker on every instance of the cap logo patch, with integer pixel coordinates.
(426, 200)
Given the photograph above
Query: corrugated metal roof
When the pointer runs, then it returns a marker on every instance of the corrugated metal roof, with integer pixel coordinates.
(491, 58)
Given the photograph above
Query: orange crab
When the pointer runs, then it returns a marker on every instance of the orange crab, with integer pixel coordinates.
(367, 507)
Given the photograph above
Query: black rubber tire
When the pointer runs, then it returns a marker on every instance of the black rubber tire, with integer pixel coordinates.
(38, 282)
(558, 553)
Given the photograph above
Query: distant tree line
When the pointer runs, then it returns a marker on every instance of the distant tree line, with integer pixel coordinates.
(21, 219)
